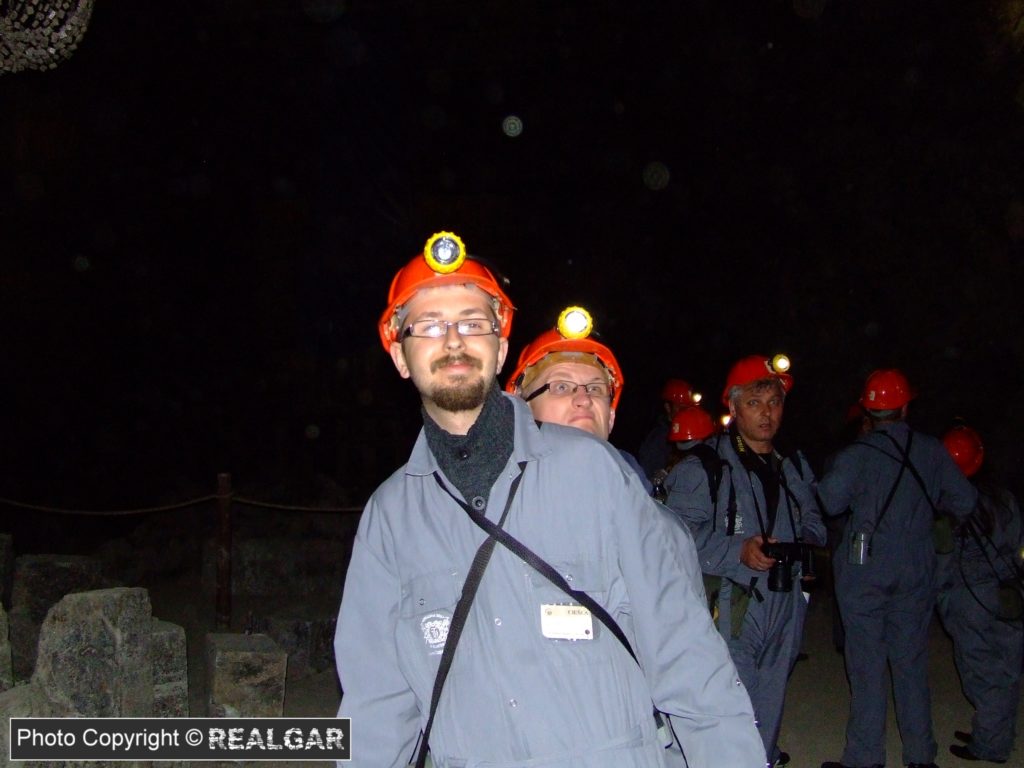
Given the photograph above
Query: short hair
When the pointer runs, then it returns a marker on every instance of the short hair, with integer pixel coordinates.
(889, 414)
(532, 372)
(758, 385)
(402, 312)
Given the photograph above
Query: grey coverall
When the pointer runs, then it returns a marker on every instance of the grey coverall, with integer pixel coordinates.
(886, 604)
(514, 696)
(768, 641)
(987, 640)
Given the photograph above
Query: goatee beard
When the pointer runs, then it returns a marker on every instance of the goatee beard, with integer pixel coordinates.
(457, 398)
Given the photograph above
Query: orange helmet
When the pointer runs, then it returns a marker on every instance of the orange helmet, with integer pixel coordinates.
(886, 389)
(757, 367)
(690, 423)
(443, 262)
(680, 392)
(571, 335)
(966, 448)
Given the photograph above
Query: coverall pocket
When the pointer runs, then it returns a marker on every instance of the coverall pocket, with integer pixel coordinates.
(582, 575)
(425, 616)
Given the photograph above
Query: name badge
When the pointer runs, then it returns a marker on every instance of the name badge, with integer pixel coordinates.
(566, 622)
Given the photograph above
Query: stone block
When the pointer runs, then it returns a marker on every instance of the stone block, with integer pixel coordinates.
(307, 639)
(246, 676)
(39, 582)
(94, 656)
(170, 669)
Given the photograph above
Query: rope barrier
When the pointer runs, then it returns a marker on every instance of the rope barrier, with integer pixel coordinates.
(269, 505)
(178, 505)
(108, 512)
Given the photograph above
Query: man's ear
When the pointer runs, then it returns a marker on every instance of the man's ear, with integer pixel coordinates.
(502, 353)
(398, 358)
(732, 410)
(611, 420)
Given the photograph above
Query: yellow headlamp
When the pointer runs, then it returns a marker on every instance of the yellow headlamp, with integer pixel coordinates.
(575, 323)
(780, 363)
(444, 252)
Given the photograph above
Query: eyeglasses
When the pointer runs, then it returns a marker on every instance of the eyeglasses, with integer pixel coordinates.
(558, 388)
(435, 329)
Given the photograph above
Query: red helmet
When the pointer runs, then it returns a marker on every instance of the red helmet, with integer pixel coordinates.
(886, 389)
(757, 367)
(680, 392)
(571, 335)
(443, 262)
(966, 448)
(690, 423)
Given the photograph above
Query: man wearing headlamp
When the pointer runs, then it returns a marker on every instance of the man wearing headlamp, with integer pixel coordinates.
(569, 377)
(449, 638)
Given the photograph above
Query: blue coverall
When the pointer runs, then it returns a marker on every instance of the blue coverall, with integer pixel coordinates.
(886, 603)
(988, 640)
(769, 637)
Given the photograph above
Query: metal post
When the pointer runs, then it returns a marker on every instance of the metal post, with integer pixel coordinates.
(224, 551)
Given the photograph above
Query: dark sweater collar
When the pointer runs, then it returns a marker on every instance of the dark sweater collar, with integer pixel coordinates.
(473, 461)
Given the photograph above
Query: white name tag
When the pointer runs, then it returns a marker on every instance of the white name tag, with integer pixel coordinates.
(566, 622)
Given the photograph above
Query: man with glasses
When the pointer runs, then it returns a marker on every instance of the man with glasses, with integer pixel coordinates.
(570, 378)
(502, 580)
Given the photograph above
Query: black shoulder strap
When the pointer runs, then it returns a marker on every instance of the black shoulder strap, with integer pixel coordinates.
(540, 565)
(712, 464)
(714, 467)
(458, 622)
(913, 470)
(498, 534)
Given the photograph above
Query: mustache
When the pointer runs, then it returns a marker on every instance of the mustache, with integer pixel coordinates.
(447, 360)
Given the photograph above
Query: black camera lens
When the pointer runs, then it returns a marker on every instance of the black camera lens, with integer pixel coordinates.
(780, 576)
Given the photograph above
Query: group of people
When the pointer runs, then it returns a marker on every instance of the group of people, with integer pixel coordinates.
(912, 534)
(517, 597)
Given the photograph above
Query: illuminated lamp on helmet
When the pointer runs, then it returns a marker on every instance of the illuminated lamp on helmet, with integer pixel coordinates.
(570, 341)
(575, 323)
(444, 261)
(755, 368)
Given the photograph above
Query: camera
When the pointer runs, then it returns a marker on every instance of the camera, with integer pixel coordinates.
(786, 554)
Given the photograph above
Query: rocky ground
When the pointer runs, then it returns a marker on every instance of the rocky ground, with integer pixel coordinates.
(274, 575)
(817, 700)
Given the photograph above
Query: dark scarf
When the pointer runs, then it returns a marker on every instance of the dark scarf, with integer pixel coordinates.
(472, 462)
(767, 467)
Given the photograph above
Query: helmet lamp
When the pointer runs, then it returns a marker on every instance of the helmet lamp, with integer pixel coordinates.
(780, 363)
(575, 323)
(444, 252)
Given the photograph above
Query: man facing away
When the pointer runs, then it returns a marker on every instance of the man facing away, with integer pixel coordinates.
(536, 678)
(764, 499)
(979, 602)
(569, 377)
(894, 481)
